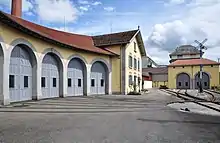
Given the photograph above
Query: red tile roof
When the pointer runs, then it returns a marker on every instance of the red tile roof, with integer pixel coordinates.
(75, 41)
(190, 62)
(114, 38)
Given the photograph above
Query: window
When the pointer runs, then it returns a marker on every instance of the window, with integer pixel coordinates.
(25, 81)
(179, 83)
(139, 80)
(205, 83)
(135, 47)
(138, 64)
(92, 82)
(69, 82)
(43, 82)
(102, 82)
(79, 83)
(54, 82)
(130, 79)
(186, 83)
(11, 81)
(179, 56)
(183, 67)
(135, 80)
(130, 61)
(135, 63)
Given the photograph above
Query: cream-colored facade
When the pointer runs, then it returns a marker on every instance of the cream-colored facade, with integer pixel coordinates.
(131, 70)
(37, 62)
(10, 37)
(117, 66)
(121, 69)
(211, 70)
(116, 69)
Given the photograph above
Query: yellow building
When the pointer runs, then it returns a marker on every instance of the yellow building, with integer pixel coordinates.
(184, 74)
(37, 62)
(127, 67)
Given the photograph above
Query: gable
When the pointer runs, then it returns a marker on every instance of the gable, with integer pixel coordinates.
(138, 39)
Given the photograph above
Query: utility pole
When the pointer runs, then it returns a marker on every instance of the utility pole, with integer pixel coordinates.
(201, 47)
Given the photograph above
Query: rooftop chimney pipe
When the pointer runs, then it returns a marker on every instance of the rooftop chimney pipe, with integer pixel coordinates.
(16, 8)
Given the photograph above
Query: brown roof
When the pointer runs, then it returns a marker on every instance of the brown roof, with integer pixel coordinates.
(74, 41)
(114, 38)
(145, 74)
(157, 70)
(189, 62)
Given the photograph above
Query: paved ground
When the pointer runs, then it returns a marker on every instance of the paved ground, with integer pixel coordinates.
(106, 119)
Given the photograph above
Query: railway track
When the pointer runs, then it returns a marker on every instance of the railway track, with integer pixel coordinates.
(216, 95)
(189, 98)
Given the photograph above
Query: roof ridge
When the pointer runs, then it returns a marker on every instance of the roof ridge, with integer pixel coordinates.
(116, 33)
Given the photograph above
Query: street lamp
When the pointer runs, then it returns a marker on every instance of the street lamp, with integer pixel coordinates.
(201, 47)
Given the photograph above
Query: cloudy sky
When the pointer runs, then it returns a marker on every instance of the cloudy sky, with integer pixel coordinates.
(164, 24)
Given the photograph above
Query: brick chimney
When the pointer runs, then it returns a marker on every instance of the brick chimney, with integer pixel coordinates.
(16, 8)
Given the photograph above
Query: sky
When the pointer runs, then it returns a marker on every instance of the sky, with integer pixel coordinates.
(164, 24)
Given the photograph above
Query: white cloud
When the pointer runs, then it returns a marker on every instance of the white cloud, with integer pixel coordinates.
(5, 3)
(109, 9)
(158, 55)
(176, 2)
(85, 5)
(200, 22)
(56, 10)
(97, 3)
(84, 8)
(83, 2)
(27, 6)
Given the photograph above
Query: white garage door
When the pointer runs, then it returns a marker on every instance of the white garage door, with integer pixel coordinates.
(50, 77)
(75, 78)
(20, 75)
(98, 78)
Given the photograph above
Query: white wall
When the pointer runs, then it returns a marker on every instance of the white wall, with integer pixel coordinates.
(148, 84)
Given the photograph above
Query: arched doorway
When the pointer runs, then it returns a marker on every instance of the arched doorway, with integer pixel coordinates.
(183, 81)
(22, 73)
(51, 76)
(99, 80)
(205, 80)
(76, 74)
